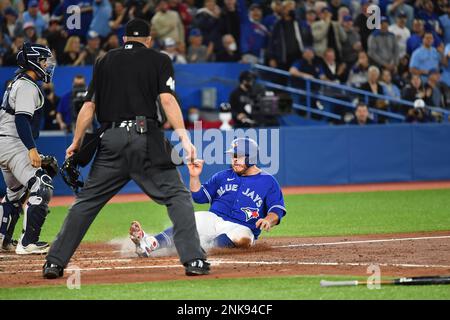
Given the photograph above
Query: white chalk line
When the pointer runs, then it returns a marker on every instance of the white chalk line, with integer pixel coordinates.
(359, 241)
(219, 262)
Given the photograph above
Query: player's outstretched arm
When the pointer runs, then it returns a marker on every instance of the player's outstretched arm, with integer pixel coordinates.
(268, 222)
(195, 169)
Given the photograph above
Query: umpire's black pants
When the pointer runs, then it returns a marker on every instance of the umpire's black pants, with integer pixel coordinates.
(123, 156)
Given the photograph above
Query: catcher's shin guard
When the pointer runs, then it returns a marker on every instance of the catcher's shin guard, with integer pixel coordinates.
(41, 191)
(10, 210)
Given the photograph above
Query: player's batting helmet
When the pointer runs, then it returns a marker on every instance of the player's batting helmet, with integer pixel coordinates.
(245, 147)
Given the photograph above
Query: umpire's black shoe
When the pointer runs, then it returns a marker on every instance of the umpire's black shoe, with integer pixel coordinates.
(197, 267)
(52, 271)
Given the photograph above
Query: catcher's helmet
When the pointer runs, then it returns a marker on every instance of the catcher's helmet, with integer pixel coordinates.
(70, 174)
(30, 58)
(245, 147)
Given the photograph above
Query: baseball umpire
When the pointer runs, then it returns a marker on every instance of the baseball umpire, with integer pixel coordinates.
(127, 83)
(20, 161)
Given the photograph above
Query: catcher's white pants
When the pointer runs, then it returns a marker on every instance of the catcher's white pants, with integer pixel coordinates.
(210, 226)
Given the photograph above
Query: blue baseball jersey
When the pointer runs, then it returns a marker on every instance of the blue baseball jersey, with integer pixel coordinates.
(242, 199)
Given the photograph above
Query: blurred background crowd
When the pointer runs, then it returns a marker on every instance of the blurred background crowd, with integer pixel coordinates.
(406, 57)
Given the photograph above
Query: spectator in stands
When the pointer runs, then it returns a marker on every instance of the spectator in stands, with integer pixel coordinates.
(45, 10)
(433, 93)
(56, 37)
(9, 58)
(170, 48)
(361, 23)
(119, 19)
(191, 7)
(286, 43)
(414, 90)
(425, 58)
(352, 45)
(229, 20)
(373, 86)
(11, 26)
(254, 35)
(193, 115)
(331, 69)
(445, 23)
(65, 15)
(359, 72)
(101, 14)
(304, 7)
(427, 14)
(230, 52)
(197, 52)
(306, 67)
(361, 115)
(272, 18)
(207, 20)
(398, 6)
(335, 6)
(418, 114)
(446, 74)
(401, 33)
(72, 52)
(182, 9)
(241, 100)
(29, 31)
(51, 101)
(92, 50)
(33, 15)
(306, 28)
(390, 89)
(112, 42)
(328, 34)
(4, 45)
(382, 47)
(65, 112)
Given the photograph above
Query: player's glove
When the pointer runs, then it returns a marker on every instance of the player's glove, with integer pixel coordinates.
(50, 165)
(70, 174)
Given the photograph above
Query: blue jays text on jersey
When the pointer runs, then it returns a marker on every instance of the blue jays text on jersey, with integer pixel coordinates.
(242, 199)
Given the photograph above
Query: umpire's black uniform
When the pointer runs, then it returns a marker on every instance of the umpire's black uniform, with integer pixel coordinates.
(127, 82)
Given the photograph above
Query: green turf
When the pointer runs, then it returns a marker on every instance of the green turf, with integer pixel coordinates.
(308, 215)
(274, 288)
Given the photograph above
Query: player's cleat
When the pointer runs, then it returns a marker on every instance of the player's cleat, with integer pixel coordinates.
(9, 247)
(145, 244)
(33, 248)
(197, 267)
(52, 271)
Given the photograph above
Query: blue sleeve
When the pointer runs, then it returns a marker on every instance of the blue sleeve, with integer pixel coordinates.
(413, 63)
(297, 64)
(275, 201)
(207, 191)
(23, 126)
(243, 11)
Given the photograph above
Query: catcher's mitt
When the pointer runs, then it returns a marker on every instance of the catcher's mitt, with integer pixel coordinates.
(50, 165)
(70, 174)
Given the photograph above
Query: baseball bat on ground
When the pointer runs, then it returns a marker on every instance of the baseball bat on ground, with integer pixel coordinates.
(413, 281)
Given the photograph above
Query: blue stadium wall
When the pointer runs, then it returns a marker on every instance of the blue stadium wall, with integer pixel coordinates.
(309, 155)
(333, 155)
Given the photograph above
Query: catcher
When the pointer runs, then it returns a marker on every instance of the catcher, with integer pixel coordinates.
(244, 200)
(20, 162)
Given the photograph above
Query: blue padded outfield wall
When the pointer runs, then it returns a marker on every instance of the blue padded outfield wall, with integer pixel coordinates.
(332, 155)
(190, 79)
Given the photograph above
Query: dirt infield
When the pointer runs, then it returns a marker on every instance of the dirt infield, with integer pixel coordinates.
(397, 255)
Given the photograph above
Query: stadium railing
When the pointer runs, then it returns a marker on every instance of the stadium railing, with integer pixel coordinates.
(326, 87)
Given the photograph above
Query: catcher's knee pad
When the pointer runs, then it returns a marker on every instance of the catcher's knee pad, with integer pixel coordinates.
(41, 191)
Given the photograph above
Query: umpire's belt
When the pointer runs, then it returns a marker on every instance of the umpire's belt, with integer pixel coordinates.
(130, 123)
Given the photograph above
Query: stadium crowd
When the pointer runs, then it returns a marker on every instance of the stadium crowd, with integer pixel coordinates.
(406, 57)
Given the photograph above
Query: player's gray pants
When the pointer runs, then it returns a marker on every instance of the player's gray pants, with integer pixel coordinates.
(121, 157)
